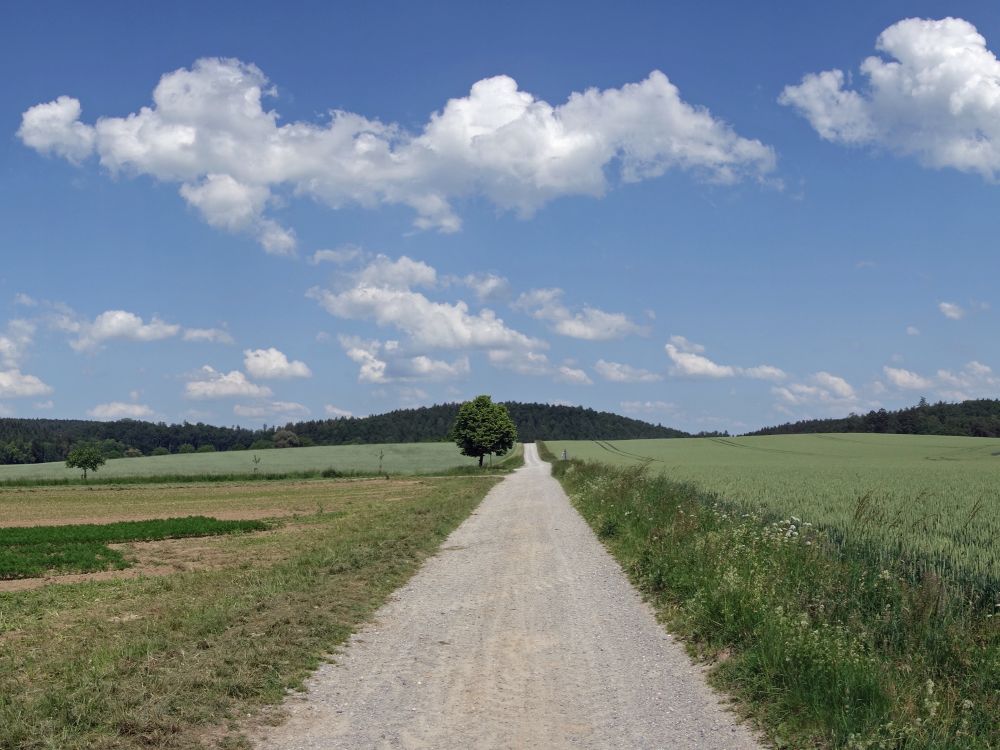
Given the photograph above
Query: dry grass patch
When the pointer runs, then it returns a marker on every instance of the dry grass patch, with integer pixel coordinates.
(38, 506)
(182, 660)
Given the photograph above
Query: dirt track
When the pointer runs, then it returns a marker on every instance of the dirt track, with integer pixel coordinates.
(521, 633)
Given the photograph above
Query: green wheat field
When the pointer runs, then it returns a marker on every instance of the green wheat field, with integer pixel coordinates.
(931, 501)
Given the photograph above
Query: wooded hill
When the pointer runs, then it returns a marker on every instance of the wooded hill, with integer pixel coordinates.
(978, 418)
(38, 440)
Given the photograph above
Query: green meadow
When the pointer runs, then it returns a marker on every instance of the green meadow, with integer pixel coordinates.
(396, 458)
(932, 502)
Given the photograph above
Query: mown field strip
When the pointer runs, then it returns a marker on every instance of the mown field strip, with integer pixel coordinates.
(178, 661)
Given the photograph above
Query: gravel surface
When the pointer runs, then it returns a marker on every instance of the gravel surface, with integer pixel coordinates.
(522, 632)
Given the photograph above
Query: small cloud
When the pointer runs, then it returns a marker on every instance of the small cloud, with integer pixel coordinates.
(682, 344)
(648, 407)
(616, 372)
(120, 410)
(283, 411)
(906, 379)
(865, 264)
(24, 300)
(209, 335)
(210, 383)
(912, 331)
(588, 323)
(336, 412)
(489, 287)
(15, 384)
(45, 405)
(271, 364)
(572, 375)
(339, 256)
(951, 311)
(116, 324)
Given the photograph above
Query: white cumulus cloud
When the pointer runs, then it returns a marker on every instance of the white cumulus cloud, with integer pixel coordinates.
(209, 383)
(208, 130)
(118, 324)
(617, 372)
(589, 323)
(211, 335)
(934, 95)
(383, 362)
(15, 342)
(15, 384)
(271, 364)
(121, 410)
(381, 292)
(337, 256)
(489, 287)
(821, 388)
(951, 311)
(690, 361)
(335, 412)
(905, 378)
(572, 375)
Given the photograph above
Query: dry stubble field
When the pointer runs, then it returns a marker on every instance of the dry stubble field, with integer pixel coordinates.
(192, 641)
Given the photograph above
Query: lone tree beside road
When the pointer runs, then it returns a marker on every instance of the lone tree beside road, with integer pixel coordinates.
(483, 427)
(86, 457)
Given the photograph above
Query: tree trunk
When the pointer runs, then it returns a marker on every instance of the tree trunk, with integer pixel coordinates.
(480, 462)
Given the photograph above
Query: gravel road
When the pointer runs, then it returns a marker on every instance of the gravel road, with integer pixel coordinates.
(522, 632)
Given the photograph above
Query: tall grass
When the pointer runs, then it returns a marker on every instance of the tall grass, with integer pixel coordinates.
(930, 502)
(826, 649)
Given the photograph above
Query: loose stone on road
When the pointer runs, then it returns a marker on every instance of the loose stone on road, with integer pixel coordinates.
(522, 632)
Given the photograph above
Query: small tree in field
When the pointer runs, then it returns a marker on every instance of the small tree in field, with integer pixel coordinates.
(86, 457)
(483, 427)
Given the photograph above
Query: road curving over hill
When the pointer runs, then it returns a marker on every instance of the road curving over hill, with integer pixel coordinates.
(522, 632)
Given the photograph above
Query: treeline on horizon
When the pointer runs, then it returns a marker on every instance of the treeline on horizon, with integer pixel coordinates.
(974, 418)
(25, 441)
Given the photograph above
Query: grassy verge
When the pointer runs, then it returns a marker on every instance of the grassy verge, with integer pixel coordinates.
(31, 551)
(173, 662)
(824, 649)
(499, 465)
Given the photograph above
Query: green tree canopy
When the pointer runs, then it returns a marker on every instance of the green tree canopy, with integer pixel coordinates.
(483, 427)
(86, 456)
(286, 439)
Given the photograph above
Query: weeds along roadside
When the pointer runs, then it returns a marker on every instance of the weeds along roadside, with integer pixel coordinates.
(823, 649)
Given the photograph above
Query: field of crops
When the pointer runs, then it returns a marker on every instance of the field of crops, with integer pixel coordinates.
(932, 501)
(398, 458)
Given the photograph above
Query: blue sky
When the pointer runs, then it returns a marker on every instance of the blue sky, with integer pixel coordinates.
(678, 212)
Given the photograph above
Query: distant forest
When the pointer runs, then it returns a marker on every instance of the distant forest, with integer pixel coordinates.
(25, 441)
(978, 418)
